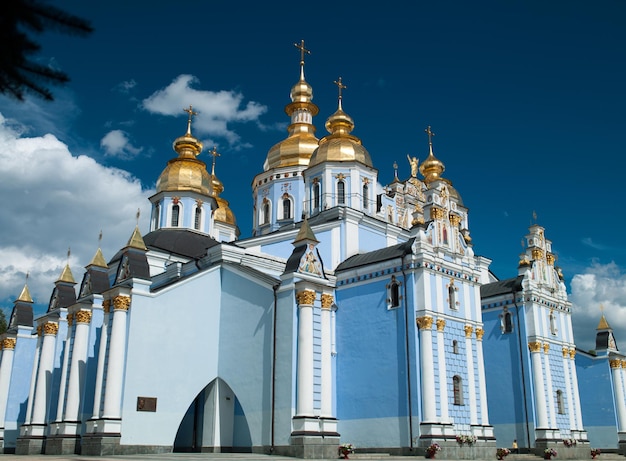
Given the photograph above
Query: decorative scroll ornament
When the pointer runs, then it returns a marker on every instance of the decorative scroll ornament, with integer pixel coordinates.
(121, 303)
(479, 334)
(305, 297)
(83, 317)
(424, 323)
(327, 301)
(50, 328)
(441, 324)
(468, 331)
(8, 343)
(534, 346)
(436, 213)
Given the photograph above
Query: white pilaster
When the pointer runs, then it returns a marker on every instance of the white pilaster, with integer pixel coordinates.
(619, 395)
(64, 367)
(427, 367)
(471, 379)
(540, 397)
(482, 383)
(573, 405)
(305, 353)
(79, 355)
(33, 381)
(6, 369)
(104, 339)
(326, 366)
(443, 371)
(46, 362)
(116, 363)
(550, 391)
(576, 394)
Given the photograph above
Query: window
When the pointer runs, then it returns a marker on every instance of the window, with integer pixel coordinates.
(560, 404)
(286, 207)
(266, 211)
(365, 196)
(457, 387)
(175, 215)
(393, 293)
(316, 197)
(157, 217)
(197, 220)
(341, 193)
(455, 346)
(506, 321)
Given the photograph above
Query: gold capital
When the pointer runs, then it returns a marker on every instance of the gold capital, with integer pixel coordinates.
(546, 347)
(83, 317)
(479, 334)
(565, 351)
(615, 363)
(70, 318)
(306, 297)
(106, 306)
(455, 220)
(121, 303)
(623, 363)
(8, 343)
(468, 331)
(534, 346)
(327, 301)
(441, 324)
(50, 328)
(572, 353)
(436, 213)
(425, 322)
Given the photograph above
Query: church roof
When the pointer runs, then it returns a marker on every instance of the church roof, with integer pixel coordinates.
(183, 242)
(501, 287)
(384, 254)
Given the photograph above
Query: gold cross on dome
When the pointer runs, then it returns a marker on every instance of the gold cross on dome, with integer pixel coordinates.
(340, 85)
(303, 50)
(215, 154)
(430, 134)
(191, 113)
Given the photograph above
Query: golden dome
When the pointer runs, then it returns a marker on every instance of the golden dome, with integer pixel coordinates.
(185, 172)
(432, 167)
(340, 145)
(296, 150)
(223, 213)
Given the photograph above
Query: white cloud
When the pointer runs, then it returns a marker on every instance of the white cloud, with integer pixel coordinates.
(116, 144)
(600, 285)
(55, 200)
(126, 86)
(216, 109)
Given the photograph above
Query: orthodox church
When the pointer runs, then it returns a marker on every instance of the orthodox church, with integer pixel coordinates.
(353, 314)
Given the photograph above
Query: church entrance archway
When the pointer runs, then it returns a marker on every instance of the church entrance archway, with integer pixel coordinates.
(213, 423)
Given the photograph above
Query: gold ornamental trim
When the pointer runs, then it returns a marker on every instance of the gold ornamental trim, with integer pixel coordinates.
(424, 323)
(50, 328)
(572, 353)
(546, 347)
(305, 297)
(8, 343)
(327, 301)
(479, 334)
(70, 319)
(83, 317)
(121, 303)
(565, 351)
(436, 213)
(455, 220)
(39, 330)
(623, 363)
(106, 306)
(550, 258)
(534, 346)
(468, 331)
(537, 254)
(441, 324)
(615, 363)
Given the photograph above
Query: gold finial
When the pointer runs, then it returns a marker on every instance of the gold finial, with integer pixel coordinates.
(303, 51)
(69, 252)
(100, 238)
(191, 113)
(137, 215)
(340, 86)
(215, 154)
(430, 134)
(395, 169)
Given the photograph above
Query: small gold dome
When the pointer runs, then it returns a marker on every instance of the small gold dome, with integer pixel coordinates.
(431, 168)
(340, 145)
(222, 213)
(185, 172)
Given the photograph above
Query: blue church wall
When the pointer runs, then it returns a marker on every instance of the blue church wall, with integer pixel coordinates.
(506, 368)
(23, 358)
(372, 367)
(370, 240)
(595, 386)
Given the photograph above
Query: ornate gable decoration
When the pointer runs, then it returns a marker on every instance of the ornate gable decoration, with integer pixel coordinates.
(310, 261)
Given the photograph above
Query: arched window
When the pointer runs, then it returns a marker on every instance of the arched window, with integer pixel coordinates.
(341, 193)
(197, 219)
(316, 197)
(457, 390)
(455, 346)
(506, 321)
(287, 207)
(560, 403)
(365, 196)
(175, 215)
(157, 216)
(266, 211)
(393, 293)
(452, 295)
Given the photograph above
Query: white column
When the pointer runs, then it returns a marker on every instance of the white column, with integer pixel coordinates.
(619, 394)
(6, 368)
(427, 368)
(46, 362)
(104, 339)
(469, 362)
(550, 390)
(482, 383)
(326, 366)
(65, 366)
(79, 355)
(574, 375)
(573, 405)
(305, 353)
(115, 363)
(33, 378)
(540, 396)
(443, 370)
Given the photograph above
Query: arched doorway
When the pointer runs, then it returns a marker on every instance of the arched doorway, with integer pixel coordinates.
(213, 423)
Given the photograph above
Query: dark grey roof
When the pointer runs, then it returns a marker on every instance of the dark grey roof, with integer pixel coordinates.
(184, 242)
(95, 281)
(384, 254)
(22, 315)
(134, 267)
(63, 295)
(501, 287)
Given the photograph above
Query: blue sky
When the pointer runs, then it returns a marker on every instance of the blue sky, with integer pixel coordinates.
(526, 98)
